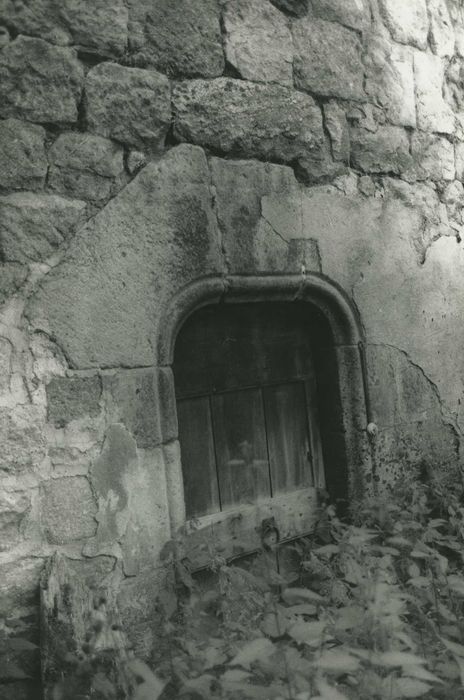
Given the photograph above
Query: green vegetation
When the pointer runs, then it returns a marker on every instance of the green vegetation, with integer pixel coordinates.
(365, 610)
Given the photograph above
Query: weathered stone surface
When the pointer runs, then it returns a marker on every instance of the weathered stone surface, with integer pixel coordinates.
(433, 158)
(130, 105)
(459, 160)
(178, 37)
(69, 398)
(386, 150)
(298, 8)
(390, 80)
(134, 400)
(429, 449)
(13, 507)
(258, 42)
(401, 393)
(22, 438)
(408, 22)
(430, 214)
(336, 124)
(131, 491)
(250, 243)
(40, 82)
(327, 59)
(442, 36)
(12, 276)
(33, 226)
(67, 510)
(100, 26)
(433, 113)
(22, 154)
(105, 300)
(351, 13)
(85, 166)
(19, 587)
(252, 120)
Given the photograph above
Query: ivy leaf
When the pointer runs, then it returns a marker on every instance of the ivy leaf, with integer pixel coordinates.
(337, 662)
(311, 633)
(349, 617)
(235, 675)
(301, 609)
(456, 583)
(152, 686)
(328, 692)
(419, 582)
(256, 650)
(397, 658)
(200, 685)
(410, 688)
(301, 595)
(422, 674)
(19, 644)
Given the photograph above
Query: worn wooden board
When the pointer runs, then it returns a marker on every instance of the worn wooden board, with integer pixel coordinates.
(238, 530)
(288, 438)
(241, 447)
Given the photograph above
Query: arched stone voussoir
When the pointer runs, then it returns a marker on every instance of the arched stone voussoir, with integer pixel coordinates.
(102, 304)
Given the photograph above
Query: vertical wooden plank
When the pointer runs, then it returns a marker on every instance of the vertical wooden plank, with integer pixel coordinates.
(287, 432)
(241, 449)
(198, 459)
(315, 434)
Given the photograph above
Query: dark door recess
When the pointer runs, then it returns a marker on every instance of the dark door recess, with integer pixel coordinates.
(248, 424)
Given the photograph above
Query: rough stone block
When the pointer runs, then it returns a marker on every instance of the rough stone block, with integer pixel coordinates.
(133, 400)
(390, 80)
(350, 13)
(179, 37)
(22, 438)
(384, 151)
(433, 113)
(22, 153)
(69, 398)
(85, 166)
(13, 507)
(12, 276)
(100, 26)
(459, 158)
(144, 401)
(33, 226)
(433, 158)
(248, 119)
(258, 42)
(130, 105)
(105, 300)
(408, 21)
(336, 124)
(327, 59)
(40, 82)
(239, 216)
(422, 200)
(442, 37)
(67, 510)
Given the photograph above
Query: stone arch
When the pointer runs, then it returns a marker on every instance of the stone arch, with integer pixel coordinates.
(349, 449)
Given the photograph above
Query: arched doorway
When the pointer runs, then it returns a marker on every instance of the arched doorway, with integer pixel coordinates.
(271, 406)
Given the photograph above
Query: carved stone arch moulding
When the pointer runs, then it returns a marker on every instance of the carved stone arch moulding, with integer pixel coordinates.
(348, 458)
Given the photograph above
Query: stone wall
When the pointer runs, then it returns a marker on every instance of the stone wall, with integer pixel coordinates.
(148, 144)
